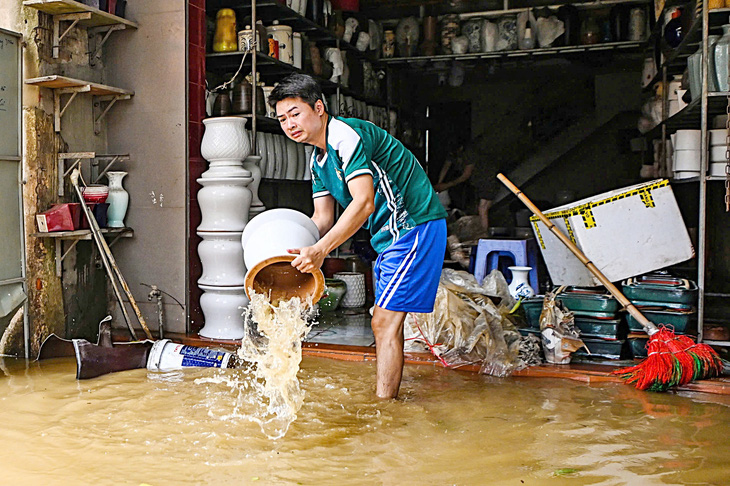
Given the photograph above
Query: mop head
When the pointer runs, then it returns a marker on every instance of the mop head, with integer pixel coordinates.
(672, 360)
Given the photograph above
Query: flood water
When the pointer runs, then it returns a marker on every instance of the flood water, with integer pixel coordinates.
(448, 428)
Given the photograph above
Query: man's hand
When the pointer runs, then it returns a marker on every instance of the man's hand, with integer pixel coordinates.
(310, 258)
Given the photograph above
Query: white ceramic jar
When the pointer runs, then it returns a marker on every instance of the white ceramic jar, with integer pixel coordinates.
(520, 288)
(356, 293)
(222, 258)
(225, 140)
(223, 311)
(283, 34)
(224, 203)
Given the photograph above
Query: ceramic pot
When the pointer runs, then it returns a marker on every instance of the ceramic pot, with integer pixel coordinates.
(308, 151)
(225, 140)
(283, 34)
(242, 100)
(507, 40)
(222, 258)
(520, 288)
(471, 29)
(722, 55)
(449, 30)
(356, 293)
(246, 39)
(334, 290)
(251, 164)
(271, 156)
(637, 24)
(225, 39)
(279, 159)
(459, 44)
(118, 200)
(222, 105)
(265, 241)
(297, 47)
(224, 203)
(223, 311)
(261, 37)
(302, 157)
(388, 44)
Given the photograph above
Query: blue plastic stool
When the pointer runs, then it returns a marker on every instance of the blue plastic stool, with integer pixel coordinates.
(492, 253)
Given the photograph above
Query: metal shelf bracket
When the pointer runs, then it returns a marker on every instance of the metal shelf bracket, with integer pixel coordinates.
(106, 31)
(58, 111)
(77, 157)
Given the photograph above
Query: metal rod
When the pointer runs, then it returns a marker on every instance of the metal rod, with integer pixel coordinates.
(702, 226)
(254, 80)
(98, 239)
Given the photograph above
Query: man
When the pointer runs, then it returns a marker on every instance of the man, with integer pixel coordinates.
(475, 165)
(381, 184)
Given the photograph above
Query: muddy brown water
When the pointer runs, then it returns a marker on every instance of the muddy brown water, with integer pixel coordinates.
(448, 428)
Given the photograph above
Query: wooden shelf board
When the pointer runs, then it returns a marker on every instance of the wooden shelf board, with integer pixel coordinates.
(85, 234)
(58, 82)
(60, 7)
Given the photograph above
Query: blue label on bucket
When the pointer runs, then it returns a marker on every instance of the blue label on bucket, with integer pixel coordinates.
(201, 357)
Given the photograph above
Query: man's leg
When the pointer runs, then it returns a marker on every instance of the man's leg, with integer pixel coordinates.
(484, 205)
(388, 330)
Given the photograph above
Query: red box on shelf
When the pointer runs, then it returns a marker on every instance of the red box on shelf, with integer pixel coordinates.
(61, 217)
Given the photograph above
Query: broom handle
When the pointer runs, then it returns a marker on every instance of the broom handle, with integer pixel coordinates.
(646, 323)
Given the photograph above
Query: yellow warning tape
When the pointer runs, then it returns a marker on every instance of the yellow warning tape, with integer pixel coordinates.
(585, 211)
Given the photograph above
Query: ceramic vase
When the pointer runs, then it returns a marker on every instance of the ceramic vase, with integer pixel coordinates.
(225, 144)
(224, 203)
(251, 164)
(222, 258)
(520, 288)
(355, 283)
(722, 55)
(223, 311)
(118, 200)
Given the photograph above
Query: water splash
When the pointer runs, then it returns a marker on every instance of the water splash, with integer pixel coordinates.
(266, 391)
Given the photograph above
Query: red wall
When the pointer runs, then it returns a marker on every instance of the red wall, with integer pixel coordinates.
(196, 164)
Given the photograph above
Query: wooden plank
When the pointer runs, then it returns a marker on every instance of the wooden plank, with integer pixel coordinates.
(84, 234)
(98, 17)
(56, 82)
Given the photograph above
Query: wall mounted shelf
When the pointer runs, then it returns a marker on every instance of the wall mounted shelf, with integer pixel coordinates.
(78, 235)
(62, 85)
(77, 157)
(81, 14)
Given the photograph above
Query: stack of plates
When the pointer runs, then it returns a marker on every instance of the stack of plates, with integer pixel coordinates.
(718, 147)
(686, 153)
(95, 193)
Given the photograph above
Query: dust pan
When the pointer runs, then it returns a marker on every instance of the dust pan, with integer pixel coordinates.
(672, 359)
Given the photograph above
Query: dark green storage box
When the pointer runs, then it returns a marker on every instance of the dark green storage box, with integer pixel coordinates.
(588, 301)
(679, 320)
(602, 328)
(533, 308)
(660, 288)
(604, 348)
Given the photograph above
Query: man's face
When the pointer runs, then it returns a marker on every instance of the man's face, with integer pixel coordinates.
(300, 122)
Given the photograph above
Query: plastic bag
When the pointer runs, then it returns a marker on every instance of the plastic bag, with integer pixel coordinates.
(560, 338)
(466, 327)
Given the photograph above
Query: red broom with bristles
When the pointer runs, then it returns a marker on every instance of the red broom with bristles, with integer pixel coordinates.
(672, 359)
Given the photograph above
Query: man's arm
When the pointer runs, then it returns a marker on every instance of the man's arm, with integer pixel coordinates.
(468, 170)
(357, 213)
(324, 213)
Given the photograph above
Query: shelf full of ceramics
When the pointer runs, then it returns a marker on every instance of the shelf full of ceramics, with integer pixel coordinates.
(519, 33)
(677, 37)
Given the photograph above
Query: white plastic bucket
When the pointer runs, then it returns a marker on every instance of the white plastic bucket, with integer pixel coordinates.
(168, 356)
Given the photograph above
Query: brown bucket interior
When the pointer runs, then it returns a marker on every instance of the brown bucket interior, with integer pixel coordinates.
(275, 276)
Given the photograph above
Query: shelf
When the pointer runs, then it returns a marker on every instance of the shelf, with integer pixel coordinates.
(268, 66)
(63, 85)
(724, 344)
(420, 61)
(77, 157)
(696, 179)
(270, 10)
(676, 61)
(81, 14)
(285, 181)
(98, 17)
(689, 117)
(79, 235)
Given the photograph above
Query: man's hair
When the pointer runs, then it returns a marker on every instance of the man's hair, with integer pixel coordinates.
(297, 86)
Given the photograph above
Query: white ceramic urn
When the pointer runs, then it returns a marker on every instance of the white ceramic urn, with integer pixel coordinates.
(223, 311)
(251, 164)
(225, 145)
(265, 242)
(224, 203)
(221, 255)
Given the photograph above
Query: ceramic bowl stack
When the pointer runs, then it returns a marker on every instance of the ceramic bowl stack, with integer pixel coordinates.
(718, 152)
(282, 158)
(224, 200)
(95, 193)
(687, 154)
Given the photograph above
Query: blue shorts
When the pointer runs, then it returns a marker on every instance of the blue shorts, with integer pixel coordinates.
(407, 273)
